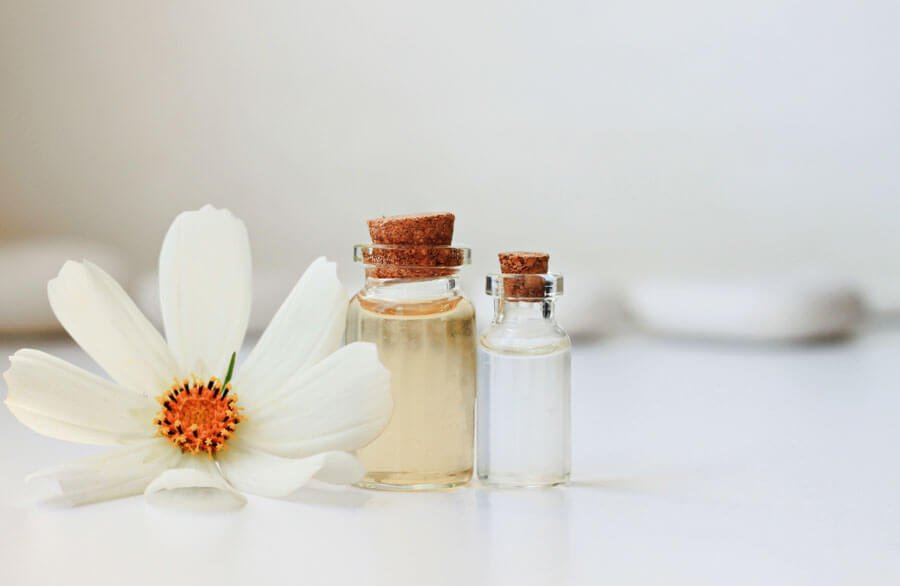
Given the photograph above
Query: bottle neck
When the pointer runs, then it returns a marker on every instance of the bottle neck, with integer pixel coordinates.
(508, 312)
(412, 289)
(411, 297)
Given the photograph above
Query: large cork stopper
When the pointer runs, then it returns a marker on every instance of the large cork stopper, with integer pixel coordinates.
(418, 246)
(524, 264)
(435, 229)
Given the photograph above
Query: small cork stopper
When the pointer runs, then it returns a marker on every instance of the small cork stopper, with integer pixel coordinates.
(521, 263)
(435, 229)
(422, 242)
(524, 263)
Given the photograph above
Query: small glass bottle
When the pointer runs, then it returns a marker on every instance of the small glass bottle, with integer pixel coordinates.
(412, 308)
(524, 373)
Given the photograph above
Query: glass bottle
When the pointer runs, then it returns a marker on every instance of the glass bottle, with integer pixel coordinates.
(524, 364)
(425, 332)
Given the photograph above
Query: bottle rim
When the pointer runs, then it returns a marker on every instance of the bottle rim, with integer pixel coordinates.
(412, 255)
(510, 285)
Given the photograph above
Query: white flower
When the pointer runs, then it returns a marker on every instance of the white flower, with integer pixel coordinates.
(293, 410)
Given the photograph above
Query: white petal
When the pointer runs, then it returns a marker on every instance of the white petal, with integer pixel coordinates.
(62, 401)
(106, 323)
(257, 472)
(307, 327)
(341, 404)
(115, 474)
(196, 484)
(205, 289)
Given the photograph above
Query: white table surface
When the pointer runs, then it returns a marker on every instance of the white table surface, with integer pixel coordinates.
(693, 464)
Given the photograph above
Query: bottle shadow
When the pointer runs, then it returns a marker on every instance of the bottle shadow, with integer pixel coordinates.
(662, 484)
(337, 497)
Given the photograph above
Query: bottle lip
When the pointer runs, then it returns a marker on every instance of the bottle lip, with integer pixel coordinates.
(411, 261)
(412, 255)
(524, 286)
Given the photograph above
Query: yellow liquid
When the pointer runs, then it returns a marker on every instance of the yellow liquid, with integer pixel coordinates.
(430, 350)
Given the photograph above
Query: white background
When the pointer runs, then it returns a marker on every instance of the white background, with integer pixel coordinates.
(642, 136)
(693, 465)
(633, 138)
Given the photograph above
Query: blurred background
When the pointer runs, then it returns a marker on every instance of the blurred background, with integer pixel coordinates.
(632, 139)
(698, 169)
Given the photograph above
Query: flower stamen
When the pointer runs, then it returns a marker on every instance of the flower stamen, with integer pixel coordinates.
(198, 416)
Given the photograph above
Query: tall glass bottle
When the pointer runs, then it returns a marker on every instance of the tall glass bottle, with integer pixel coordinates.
(412, 308)
(524, 366)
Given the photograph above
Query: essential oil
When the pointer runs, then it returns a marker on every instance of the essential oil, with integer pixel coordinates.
(524, 388)
(411, 307)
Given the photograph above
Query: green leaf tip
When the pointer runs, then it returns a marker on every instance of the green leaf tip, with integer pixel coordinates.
(230, 369)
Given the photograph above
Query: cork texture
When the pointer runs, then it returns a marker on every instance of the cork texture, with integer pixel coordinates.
(435, 229)
(522, 264)
(417, 246)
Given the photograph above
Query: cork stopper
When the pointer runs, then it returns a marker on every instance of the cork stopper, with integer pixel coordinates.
(524, 264)
(413, 246)
(435, 229)
(521, 263)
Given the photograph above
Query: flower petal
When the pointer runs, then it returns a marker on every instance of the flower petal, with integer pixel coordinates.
(205, 289)
(106, 323)
(62, 401)
(342, 403)
(115, 474)
(307, 327)
(195, 485)
(257, 472)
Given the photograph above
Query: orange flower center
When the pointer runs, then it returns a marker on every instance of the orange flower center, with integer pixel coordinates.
(198, 416)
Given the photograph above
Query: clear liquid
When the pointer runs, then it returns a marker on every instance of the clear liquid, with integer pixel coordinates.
(430, 350)
(524, 421)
